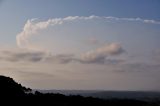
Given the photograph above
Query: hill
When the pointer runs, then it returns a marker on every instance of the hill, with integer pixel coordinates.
(12, 93)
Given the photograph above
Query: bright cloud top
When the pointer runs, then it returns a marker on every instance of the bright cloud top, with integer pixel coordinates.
(32, 26)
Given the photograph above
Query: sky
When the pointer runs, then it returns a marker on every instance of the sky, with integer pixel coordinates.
(81, 44)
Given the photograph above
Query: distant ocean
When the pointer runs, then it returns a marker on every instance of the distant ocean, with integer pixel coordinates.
(139, 95)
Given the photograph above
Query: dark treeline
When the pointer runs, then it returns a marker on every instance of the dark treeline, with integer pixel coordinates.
(12, 93)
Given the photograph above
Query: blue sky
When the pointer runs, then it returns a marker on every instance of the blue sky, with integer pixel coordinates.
(81, 44)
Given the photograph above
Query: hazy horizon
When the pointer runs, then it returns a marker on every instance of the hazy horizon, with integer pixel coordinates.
(81, 44)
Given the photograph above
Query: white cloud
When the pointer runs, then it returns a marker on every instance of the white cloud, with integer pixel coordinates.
(32, 26)
(100, 54)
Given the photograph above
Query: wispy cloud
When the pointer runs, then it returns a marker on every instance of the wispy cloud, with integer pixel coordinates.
(138, 67)
(60, 58)
(35, 74)
(149, 21)
(33, 26)
(18, 56)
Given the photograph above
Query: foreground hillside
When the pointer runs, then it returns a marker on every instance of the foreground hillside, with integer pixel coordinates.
(12, 93)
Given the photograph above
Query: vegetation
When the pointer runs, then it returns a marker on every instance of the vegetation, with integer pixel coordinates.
(12, 93)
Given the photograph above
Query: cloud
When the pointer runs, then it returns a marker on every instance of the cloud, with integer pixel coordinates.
(61, 58)
(35, 74)
(100, 54)
(138, 67)
(18, 56)
(156, 55)
(34, 56)
(134, 19)
(33, 26)
(93, 40)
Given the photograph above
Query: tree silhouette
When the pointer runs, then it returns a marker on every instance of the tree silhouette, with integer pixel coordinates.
(12, 93)
(8, 87)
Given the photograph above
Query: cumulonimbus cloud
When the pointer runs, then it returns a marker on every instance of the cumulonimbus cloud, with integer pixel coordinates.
(32, 26)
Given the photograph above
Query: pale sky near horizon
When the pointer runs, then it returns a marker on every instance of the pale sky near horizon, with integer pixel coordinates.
(81, 44)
